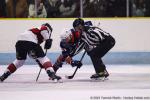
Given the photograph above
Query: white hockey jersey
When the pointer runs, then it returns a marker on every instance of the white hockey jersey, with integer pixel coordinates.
(35, 35)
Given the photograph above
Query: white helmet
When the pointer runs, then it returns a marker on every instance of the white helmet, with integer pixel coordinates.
(66, 34)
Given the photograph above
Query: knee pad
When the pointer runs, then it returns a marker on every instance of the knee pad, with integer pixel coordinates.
(18, 63)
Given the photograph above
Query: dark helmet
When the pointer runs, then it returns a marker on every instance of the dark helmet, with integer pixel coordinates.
(48, 26)
(78, 22)
(88, 23)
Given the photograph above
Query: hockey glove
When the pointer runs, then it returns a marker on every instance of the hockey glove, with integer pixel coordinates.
(76, 63)
(65, 45)
(68, 60)
(65, 53)
(48, 44)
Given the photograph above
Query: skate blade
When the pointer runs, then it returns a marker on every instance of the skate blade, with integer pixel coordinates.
(106, 78)
(56, 81)
(60, 81)
(101, 79)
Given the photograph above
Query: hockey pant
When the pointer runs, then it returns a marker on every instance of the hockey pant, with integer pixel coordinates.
(22, 50)
(97, 53)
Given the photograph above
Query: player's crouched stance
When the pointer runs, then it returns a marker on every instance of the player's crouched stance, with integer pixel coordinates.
(29, 41)
(70, 41)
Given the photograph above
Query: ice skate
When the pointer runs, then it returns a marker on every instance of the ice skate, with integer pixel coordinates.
(106, 74)
(100, 76)
(4, 76)
(1, 79)
(54, 77)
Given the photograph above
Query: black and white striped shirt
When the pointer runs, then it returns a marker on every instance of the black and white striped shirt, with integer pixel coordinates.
(93, 36)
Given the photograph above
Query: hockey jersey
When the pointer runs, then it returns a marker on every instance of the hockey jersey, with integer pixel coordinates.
(93, 36)
(35, 35)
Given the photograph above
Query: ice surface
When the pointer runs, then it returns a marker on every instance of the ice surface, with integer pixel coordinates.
(124, 81)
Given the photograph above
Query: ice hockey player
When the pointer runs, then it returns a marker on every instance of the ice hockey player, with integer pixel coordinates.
(97, 44)
(70, 44)
(30, 41)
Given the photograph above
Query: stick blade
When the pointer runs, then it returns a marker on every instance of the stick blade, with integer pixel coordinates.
(69, 77)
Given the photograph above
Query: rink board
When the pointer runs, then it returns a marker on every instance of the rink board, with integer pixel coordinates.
(109, 58)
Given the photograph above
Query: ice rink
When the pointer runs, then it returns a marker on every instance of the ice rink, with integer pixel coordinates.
(126, 82)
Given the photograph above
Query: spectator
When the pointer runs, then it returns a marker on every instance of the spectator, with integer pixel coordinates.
(3, 8)
(68, 8)
(147, 4)
(104, 8)
(120, 8)
(17, 8)
(40, 12)
(52, 7)
(88, 4)
(138, 8)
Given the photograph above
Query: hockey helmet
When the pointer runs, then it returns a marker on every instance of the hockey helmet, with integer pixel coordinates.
(78, 22)
(88, 23)
(65, 34)
(48, 26)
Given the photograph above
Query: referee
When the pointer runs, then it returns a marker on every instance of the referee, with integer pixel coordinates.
(97, 44)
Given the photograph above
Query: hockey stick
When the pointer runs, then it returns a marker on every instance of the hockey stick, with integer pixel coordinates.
(45, 54)
(40, 67)
(80, 47)
(71, 76)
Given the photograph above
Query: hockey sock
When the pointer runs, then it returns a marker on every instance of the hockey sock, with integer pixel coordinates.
(47, 65)
(12, 68)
